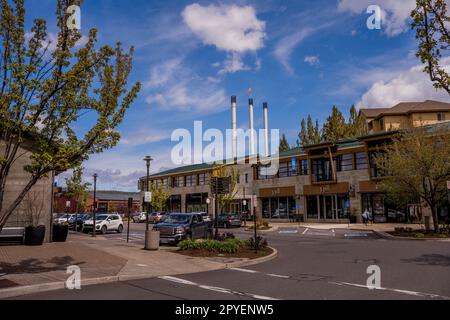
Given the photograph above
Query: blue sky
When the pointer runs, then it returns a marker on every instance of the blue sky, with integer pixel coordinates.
(299, 56)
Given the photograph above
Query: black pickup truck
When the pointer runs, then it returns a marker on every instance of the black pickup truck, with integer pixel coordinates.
(183, 226)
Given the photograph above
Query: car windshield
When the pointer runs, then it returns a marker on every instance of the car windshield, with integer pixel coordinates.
(177, 218)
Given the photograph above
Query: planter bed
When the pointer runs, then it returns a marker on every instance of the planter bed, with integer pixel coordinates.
(244, 252)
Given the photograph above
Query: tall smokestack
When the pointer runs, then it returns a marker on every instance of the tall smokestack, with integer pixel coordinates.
(252, 138)
(233, 126)
(266, 129)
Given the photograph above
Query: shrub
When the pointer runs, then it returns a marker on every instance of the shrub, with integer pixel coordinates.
(227, 246)
(260, 242)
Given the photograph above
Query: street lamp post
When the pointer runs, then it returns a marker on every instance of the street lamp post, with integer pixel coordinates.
(94, 205)
(147, 160)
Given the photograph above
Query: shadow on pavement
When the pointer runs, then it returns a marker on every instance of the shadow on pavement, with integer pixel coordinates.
(431, 260)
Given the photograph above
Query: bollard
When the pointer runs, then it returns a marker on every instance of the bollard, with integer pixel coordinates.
(152, 240)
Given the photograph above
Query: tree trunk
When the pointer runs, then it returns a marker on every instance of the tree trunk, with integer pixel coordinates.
(435, 218)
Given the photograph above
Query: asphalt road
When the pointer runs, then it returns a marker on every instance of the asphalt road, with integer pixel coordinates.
(311, 264)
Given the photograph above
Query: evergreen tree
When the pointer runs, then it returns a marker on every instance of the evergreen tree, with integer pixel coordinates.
(317, 138)
(335, 126)
(310, 131)
(302, 136)
(284, 145)
(356, 126)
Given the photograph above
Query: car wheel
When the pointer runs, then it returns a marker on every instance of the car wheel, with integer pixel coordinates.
(104, 229)
(120, 229)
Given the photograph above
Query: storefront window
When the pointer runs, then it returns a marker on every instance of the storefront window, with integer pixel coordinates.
(202, 179)
(361, 161)
(278, 208)
(312, 208)
(345, 162)
(303, 167)
(321, 170)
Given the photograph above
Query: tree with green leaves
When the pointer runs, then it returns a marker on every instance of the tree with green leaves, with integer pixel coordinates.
(356, 126)
(416, 166)
(430, 20)
(78, 189)
(45, 88)
(160, 195)
(302, 135)
(221, 171)
(335, 127)
(284, 144)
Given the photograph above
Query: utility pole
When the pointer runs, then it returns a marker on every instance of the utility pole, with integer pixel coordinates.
(94, 206)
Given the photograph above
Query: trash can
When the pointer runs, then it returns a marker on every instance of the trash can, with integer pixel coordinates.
(152, 238)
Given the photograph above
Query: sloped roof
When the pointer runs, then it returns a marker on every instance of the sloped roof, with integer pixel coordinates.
(408, 108)
(373, 113)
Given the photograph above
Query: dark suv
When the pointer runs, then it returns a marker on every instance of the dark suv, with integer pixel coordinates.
(183, 226)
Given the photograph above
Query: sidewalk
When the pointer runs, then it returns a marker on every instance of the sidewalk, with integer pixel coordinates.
(377, 227)
(25, 269)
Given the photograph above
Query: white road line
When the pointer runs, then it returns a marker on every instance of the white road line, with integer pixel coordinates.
(306, 230)
(215, 289)
(244, 270)
(408, 292)
(267, 274)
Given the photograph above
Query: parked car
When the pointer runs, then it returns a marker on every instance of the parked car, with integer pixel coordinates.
(183, 226)
(139, 218)
(81, 218)
(64, 218)
(155, 217)
(228, 220)
(104, 223)
(206, 216)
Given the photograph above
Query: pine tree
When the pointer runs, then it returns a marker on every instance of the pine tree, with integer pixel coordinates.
(335, 127)
(302, 136)
(317, 138)
(284, 145)
(356, 126)
(310, 131)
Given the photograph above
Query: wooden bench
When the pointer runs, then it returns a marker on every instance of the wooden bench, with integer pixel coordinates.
(12, 235)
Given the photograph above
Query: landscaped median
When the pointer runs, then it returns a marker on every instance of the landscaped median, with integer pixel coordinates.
(226, 246)
(403, 232)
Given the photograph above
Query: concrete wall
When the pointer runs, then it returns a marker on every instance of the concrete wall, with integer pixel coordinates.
(37, 203)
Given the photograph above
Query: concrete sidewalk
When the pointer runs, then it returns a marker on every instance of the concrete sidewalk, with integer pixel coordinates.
(378, 227)
(25, 269)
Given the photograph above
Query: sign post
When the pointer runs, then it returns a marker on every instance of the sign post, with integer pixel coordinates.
(130, 205)
(255, 203)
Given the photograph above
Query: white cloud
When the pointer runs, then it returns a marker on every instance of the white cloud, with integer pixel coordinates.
(162, 73)
(286, 46)
(173, 86)
(395, 13)
(227, 27)
(410, 85)
(230, 28)
(312, 60)
(233, 63)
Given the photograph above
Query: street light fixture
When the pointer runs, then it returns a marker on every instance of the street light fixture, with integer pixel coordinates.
(94, 206)
(147, 160)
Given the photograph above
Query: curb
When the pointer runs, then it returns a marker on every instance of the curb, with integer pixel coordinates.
(388, 236)
(251, 262)
(51, 286)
